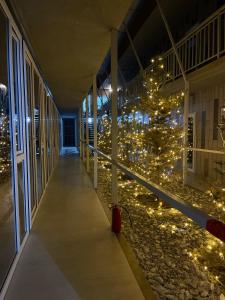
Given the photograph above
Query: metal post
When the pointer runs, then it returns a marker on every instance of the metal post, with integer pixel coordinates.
(185, 138)
(134, 50)
(95, 132)
(87, 135)
(186, 97)
(114, 67)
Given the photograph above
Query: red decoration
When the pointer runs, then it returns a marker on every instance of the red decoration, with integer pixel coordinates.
(116, 219)
(217, 228)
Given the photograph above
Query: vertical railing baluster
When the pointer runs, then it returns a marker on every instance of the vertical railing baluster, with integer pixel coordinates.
(218, 35)
(114, 74)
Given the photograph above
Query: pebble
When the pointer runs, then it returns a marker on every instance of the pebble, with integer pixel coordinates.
(204, 294)
(163, 255)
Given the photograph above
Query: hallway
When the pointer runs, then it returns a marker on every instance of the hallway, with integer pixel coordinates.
(71, 253)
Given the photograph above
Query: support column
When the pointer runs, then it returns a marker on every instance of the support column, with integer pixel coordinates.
(186, 97)
(95, 132)
(87, 135)
(185, 138)
(114, 73)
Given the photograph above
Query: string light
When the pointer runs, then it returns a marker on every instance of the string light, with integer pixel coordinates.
(153, 149)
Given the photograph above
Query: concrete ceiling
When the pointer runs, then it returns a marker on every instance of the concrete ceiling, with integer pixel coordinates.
(70, 39)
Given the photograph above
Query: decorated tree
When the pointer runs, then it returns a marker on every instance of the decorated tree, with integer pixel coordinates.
(163, 137)
(105, 135)
(130, 139)
(5, 164)
(151, 148)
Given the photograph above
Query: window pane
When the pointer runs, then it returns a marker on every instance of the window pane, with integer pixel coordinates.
(7, 234)
(30, 120)
(17, 108)
(21, 197)
(38, 133)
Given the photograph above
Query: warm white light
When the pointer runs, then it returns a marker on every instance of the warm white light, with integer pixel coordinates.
(3, 88)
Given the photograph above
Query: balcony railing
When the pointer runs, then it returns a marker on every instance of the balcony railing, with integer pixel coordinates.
(202, 45)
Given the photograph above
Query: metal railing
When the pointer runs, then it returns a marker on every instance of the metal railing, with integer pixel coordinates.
(204, 220)
(202, 45)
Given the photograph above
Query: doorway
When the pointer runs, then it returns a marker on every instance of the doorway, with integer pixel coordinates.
(68, 132)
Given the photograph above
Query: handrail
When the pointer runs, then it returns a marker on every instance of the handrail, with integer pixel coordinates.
(198, 216)
(204, 43)
(200, 26)
(205, 150)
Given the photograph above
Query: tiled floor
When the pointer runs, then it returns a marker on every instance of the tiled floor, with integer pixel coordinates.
(71, 252)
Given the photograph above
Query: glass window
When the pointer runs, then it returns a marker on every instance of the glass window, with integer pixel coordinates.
(191, 141)
(7, 215)
(46, 119)
(30, 130)
(203, 129)
(17, 104)
(215, 118)
(38, 133)
(21, 196)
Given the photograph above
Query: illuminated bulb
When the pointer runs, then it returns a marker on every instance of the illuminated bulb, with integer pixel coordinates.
(3, 88)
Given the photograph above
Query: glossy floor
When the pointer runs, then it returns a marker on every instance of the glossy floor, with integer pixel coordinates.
(71, 252)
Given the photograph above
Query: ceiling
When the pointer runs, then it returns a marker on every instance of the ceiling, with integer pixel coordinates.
(70, 39)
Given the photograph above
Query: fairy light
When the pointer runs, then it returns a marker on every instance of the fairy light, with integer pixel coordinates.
(152, 150)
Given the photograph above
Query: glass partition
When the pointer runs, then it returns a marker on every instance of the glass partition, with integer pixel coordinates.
(38, 133)
(31, 132)
(17, 103)
(21, 197)
(7, 214)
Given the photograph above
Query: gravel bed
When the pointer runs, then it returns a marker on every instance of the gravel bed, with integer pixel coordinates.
(179, 260)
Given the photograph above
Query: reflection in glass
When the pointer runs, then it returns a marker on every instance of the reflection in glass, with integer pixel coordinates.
(7, 238)
(38, 133)
(190, 137)
(30, 119)
(21, 196)
(45, 122)
(16, 95)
